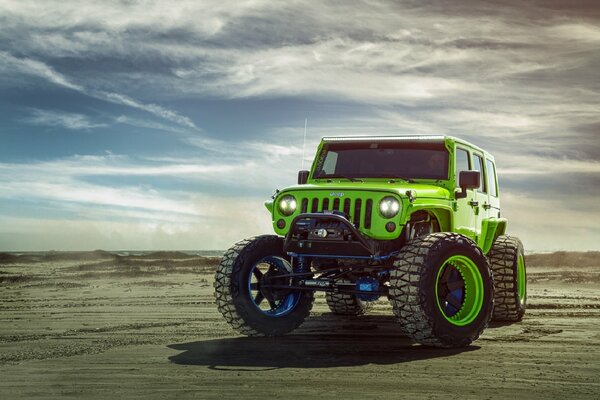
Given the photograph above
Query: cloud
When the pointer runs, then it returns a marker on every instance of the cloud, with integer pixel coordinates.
(519, 79)
(12, 65)
(100, 231)
(552, 223)
(148, 124)
(148, 107)
(531, 165)
(9, 64)
(62, 120)
(528, 75)
(203, 189)
(132, 214)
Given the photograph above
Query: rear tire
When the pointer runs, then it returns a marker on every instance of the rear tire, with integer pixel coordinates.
(346, 304)
(243, 299)
(510, 279)
(441, 290)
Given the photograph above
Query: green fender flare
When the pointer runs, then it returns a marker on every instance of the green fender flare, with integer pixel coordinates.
(491, 228)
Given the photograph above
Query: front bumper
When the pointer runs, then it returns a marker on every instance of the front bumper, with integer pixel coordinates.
(326, 234)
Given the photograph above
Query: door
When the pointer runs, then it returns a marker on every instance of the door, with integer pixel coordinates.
(480, 201)
(464, 216)
(493, 205)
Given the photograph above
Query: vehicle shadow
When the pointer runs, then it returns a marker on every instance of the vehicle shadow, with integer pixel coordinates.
(346, 342)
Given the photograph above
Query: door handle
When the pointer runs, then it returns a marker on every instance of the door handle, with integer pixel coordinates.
(473, 203)
(487, 206)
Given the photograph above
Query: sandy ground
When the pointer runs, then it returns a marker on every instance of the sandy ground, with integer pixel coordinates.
(98, 327)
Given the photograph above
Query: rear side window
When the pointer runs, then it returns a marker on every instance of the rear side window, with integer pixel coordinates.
(492, 182)
(462, 162)
(478, 166)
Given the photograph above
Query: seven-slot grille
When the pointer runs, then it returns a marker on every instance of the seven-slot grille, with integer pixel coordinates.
(359, 211)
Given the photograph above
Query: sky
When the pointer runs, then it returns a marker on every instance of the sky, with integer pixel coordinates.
(145, 125)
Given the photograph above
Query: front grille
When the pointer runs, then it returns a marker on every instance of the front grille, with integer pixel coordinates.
(358, 211)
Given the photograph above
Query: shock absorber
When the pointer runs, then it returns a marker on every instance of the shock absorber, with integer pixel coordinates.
(301, 266)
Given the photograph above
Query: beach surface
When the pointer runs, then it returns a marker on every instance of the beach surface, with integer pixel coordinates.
(97, 325)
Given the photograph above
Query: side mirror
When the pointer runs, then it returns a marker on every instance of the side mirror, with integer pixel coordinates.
(302, 177)
(467, 180)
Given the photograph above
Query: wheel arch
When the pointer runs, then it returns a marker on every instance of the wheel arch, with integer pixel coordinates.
(441, 212)
(444, 218)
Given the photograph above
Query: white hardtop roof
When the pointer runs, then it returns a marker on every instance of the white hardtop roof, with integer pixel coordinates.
(398, 138)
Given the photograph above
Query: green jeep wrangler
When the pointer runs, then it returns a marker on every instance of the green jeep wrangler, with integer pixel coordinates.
(416, 219)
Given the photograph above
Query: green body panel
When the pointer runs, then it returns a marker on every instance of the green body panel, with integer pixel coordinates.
(491, 228)
(476, 216)
(269, 205)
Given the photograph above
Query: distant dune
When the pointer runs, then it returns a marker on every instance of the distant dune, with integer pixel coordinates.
(96, 255)
(564, 259)
(556, 259)
(56, 256)
(171, 255)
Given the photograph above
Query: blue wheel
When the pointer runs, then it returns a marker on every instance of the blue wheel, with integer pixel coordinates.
(252, 288)
(275, 302)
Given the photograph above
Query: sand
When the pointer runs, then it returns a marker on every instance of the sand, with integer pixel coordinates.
(96, 325)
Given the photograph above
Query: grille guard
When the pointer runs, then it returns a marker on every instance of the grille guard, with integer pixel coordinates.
(352, 243)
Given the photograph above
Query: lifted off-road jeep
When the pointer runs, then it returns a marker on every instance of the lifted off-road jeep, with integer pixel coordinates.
(416, 219)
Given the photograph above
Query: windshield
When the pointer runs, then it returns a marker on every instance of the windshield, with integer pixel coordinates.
(405, 160)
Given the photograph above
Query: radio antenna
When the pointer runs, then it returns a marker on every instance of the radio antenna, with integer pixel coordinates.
(304, 144)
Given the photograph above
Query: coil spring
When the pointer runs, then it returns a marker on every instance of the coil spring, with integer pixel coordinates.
(301, 266)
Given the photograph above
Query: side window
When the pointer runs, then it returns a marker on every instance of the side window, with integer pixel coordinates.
(462, 162)
(492, 181)
(478, 166)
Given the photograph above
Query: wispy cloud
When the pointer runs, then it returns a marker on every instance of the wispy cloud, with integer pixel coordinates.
(147, 124)
(11, 65)
(155, 109)
(132, 215)
(73, 180)
(62, 120)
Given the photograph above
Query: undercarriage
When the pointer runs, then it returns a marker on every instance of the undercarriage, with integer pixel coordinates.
(329, 254)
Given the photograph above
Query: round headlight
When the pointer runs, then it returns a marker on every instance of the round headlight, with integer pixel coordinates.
(287, 205)
(389, 207)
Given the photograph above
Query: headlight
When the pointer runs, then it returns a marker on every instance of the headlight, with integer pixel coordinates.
(287, 205)
(389, 207)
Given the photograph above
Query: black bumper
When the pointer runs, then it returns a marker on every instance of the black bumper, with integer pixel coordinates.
(341, 238)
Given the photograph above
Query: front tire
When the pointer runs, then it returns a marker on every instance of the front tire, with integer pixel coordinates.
(441, 290)
(507, 260)
(241, 293)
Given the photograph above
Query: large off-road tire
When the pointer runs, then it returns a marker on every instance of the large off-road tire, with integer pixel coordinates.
(241, 295)
(510, 280)
(346, 304)
(441, 290)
